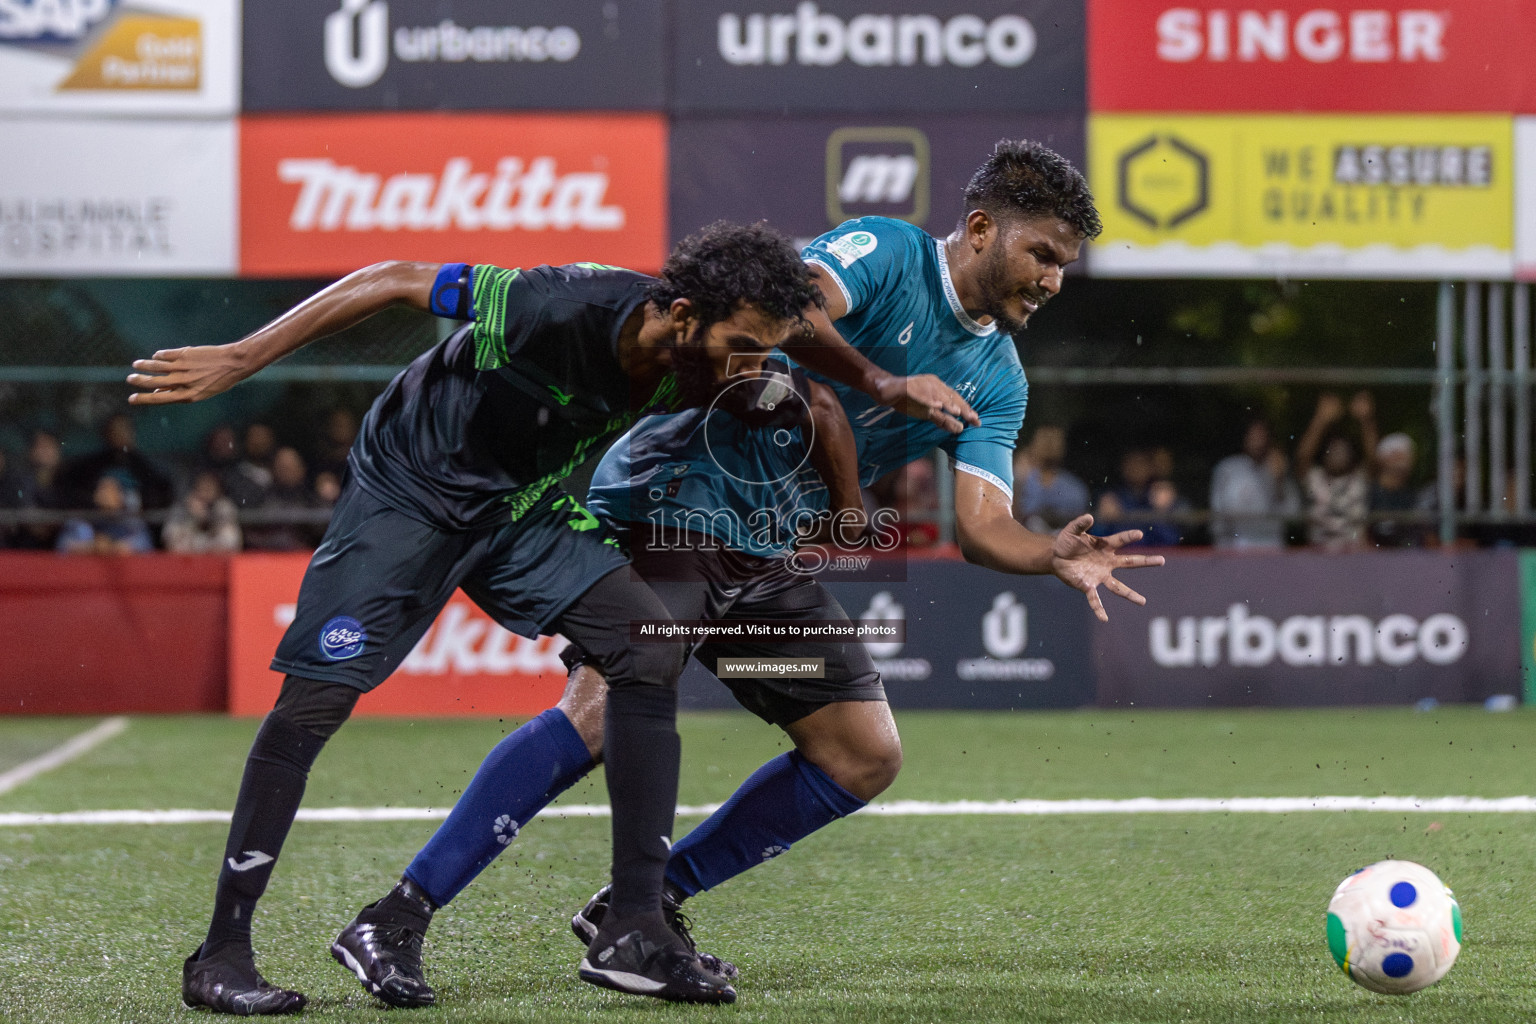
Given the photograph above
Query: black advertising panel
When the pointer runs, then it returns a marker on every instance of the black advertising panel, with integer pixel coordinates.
(1309, 629)
(878, 55)
(807, 175)
(453, 55)
(973, 639)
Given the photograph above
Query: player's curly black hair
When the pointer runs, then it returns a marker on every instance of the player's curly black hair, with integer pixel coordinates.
(724, 265)
(1023, 178)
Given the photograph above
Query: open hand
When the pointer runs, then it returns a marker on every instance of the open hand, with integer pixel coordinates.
(1085, 562)
(187, 374)
(926, 397)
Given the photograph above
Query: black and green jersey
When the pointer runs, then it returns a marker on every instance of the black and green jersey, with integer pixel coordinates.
(484, 424)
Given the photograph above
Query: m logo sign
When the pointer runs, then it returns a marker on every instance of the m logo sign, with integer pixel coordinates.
(877, 172)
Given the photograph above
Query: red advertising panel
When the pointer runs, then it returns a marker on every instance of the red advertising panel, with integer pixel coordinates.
(1304, 55)
(325, 195)
(465, 665)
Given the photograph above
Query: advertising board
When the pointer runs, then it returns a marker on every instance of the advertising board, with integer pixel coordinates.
(1016, 56)
(1310, 629)
(117, 197)
(807, 175)
(1525, 198)
(1305, 55)
(453, 54)
(148, 57)
(1392, 196)
(465, 665)
(326, 195)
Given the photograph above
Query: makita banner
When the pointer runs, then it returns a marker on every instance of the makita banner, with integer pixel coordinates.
(453, 54)
(1309, 629)
(160, 57)
(807, 175)
(878, 55)
(325, 195)
(973, 639)
(1306, 55)
(465, 665)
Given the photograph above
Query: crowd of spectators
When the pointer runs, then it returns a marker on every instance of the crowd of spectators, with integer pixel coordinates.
(243, 491)
(1343, 487)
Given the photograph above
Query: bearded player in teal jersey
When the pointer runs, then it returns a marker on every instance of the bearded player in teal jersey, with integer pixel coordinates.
(710, 509)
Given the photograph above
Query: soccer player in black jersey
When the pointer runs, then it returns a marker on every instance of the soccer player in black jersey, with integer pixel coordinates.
(453, 483)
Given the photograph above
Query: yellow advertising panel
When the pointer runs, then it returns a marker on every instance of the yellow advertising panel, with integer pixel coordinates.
(1399, 196)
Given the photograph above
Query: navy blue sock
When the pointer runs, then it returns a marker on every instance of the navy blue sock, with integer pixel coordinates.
(517, 779)
(781, 803)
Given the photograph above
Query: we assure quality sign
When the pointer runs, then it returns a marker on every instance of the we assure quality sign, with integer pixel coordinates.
(1329, 195)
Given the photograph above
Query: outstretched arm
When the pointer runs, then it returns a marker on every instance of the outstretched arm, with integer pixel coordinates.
(202, 371)
(835, 455)
(822, 349)
(990, 536)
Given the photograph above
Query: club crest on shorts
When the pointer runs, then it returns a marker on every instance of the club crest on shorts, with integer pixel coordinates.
(342, 638)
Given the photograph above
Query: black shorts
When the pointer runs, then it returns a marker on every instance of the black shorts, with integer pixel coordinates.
(380, 577)
(696, 582)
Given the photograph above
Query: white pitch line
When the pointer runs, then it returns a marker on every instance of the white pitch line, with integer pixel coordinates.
(61, 754)
(920, 808)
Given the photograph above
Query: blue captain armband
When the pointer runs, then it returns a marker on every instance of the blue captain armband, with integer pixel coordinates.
(452, 293)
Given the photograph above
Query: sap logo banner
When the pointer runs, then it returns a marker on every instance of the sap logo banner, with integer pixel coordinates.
(860, 55)
(456, 54)
(806, 175)
(1304, 56)
(153, 57)
(1303, 628)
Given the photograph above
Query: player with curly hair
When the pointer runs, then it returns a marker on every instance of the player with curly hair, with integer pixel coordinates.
(452, 483)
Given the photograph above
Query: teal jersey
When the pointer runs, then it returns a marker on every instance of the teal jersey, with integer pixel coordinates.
(749, 487)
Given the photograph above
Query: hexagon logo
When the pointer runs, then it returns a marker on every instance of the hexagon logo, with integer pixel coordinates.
(1164, 181)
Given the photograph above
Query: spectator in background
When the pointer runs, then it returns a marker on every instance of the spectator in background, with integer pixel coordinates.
(1392, 490)
(79, 479)
(1338, 485)
(289, 493)
(335, 443)
(327, 488)
(1046, 497)
(1252, 494)
(248, 482)
(913, 493)
(40, 489)
(1140, 490)
(221, 452)
(114, 529)
(204, 520)
(12, 498)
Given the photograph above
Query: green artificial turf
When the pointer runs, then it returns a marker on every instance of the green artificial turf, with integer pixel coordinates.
(1104, 918)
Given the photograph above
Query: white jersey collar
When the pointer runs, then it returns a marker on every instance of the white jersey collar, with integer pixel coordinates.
(954, 297)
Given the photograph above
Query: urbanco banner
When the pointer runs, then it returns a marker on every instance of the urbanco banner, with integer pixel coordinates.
(115, 197)
(453, 54)
(1306, 55)
(1367, 196)
(808, 56)
(1311, 628)
(806, 175)
(326, 195)
(145, 57)
(972, 639)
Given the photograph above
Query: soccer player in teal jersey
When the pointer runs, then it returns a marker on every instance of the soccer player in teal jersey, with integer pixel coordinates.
(453, 482)
(710, 509)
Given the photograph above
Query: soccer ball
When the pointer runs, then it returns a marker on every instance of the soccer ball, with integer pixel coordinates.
(1394, 927)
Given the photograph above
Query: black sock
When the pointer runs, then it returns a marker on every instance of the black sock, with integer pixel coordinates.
(641, 751)
(275, 772)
